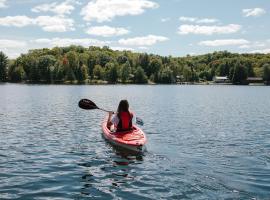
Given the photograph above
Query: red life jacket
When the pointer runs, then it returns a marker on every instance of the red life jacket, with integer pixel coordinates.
(125, 121)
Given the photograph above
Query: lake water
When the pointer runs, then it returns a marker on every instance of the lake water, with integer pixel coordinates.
(204, 142)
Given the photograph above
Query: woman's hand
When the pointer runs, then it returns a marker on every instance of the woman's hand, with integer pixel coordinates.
(111, 113)
(109, 123)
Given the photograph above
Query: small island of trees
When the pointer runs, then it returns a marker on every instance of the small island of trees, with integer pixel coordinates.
(94, 65)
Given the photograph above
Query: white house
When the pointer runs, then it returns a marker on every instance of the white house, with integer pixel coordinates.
(220, 79)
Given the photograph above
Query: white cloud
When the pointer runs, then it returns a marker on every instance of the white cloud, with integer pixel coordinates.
(55, 23)
(259, 44)
(244, 46)
(122, 48)
(225, 42)
(63, 8)
(3, 4)
(253, 12)
(13, 48)
(143, 48)
(14, 54)
(187, 19)
(165, 19)
(18, 21)
(47, 23)
(106, 10)
(106, 31)
(143, 41)
(198, 20)
(42, 41)
(256, 44)
(12, 43)
(208, 30)
(62, 42)
(206, 20)
(264, 51)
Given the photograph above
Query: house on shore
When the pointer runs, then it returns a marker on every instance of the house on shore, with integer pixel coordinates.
(180, 79)
(220, 79)
(255, 80)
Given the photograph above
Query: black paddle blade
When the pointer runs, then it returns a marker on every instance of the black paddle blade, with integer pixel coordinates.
(87, 104)
(139, 121)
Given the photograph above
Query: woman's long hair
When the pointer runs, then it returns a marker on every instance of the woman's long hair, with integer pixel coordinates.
(123, 106)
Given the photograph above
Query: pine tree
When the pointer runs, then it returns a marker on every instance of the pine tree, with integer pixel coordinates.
(3, 66)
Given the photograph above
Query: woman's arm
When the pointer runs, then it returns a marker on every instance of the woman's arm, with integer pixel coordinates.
(109, 123)
(133, 117)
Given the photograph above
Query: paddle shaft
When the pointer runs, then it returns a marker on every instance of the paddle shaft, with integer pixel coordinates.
(90, 105)
(104, 110)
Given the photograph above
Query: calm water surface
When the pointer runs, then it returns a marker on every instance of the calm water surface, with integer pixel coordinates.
(204, 142)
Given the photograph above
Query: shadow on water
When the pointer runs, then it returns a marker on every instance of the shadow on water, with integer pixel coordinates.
(111, 173)
(128, 154)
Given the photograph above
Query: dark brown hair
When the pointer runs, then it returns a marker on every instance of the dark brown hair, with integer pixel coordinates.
(123, 106)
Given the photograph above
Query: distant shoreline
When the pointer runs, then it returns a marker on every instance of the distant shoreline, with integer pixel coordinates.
(105, 83)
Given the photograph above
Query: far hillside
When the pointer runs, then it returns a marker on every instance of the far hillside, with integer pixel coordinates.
(76, 64)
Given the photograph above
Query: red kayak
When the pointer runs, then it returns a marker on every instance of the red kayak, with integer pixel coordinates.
(133, 139)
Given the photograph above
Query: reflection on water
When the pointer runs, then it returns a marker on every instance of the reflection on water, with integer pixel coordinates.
(204, 142)
(117, 170)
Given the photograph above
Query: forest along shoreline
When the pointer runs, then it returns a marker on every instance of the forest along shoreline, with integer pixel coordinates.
(99, 66)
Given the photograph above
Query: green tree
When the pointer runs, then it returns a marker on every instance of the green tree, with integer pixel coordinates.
(154, 66)
(238, 73)
(68, 63)
(176, 67)
(46, 66)
(91, 62)
(3, 66)
(98, 72)
(111, 72)
(166, 76)
(83, 58)
(122, 59)
(57, 52)
(73, 59)
(266, 72)
(144, 61)
(222, 69)
(125, 72)
(58, 72)
(248, 65)
(82, 73)
(71, 65)
(103, 58)
(30, 66)
(70, 75)
(18, 74)
(34, 74)
(187, 73)
(140, 76)
(194, 76)
(206, 75)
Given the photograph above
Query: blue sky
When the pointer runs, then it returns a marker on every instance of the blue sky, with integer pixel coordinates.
(165, 27)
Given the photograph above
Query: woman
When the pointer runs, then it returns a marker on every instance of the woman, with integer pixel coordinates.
(122, 120)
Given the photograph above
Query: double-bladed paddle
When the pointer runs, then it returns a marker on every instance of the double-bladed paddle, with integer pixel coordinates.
(90, 105)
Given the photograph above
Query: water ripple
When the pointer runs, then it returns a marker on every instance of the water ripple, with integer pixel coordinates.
(204, 142)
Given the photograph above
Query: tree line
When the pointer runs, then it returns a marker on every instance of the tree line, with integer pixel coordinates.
(76, 64)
